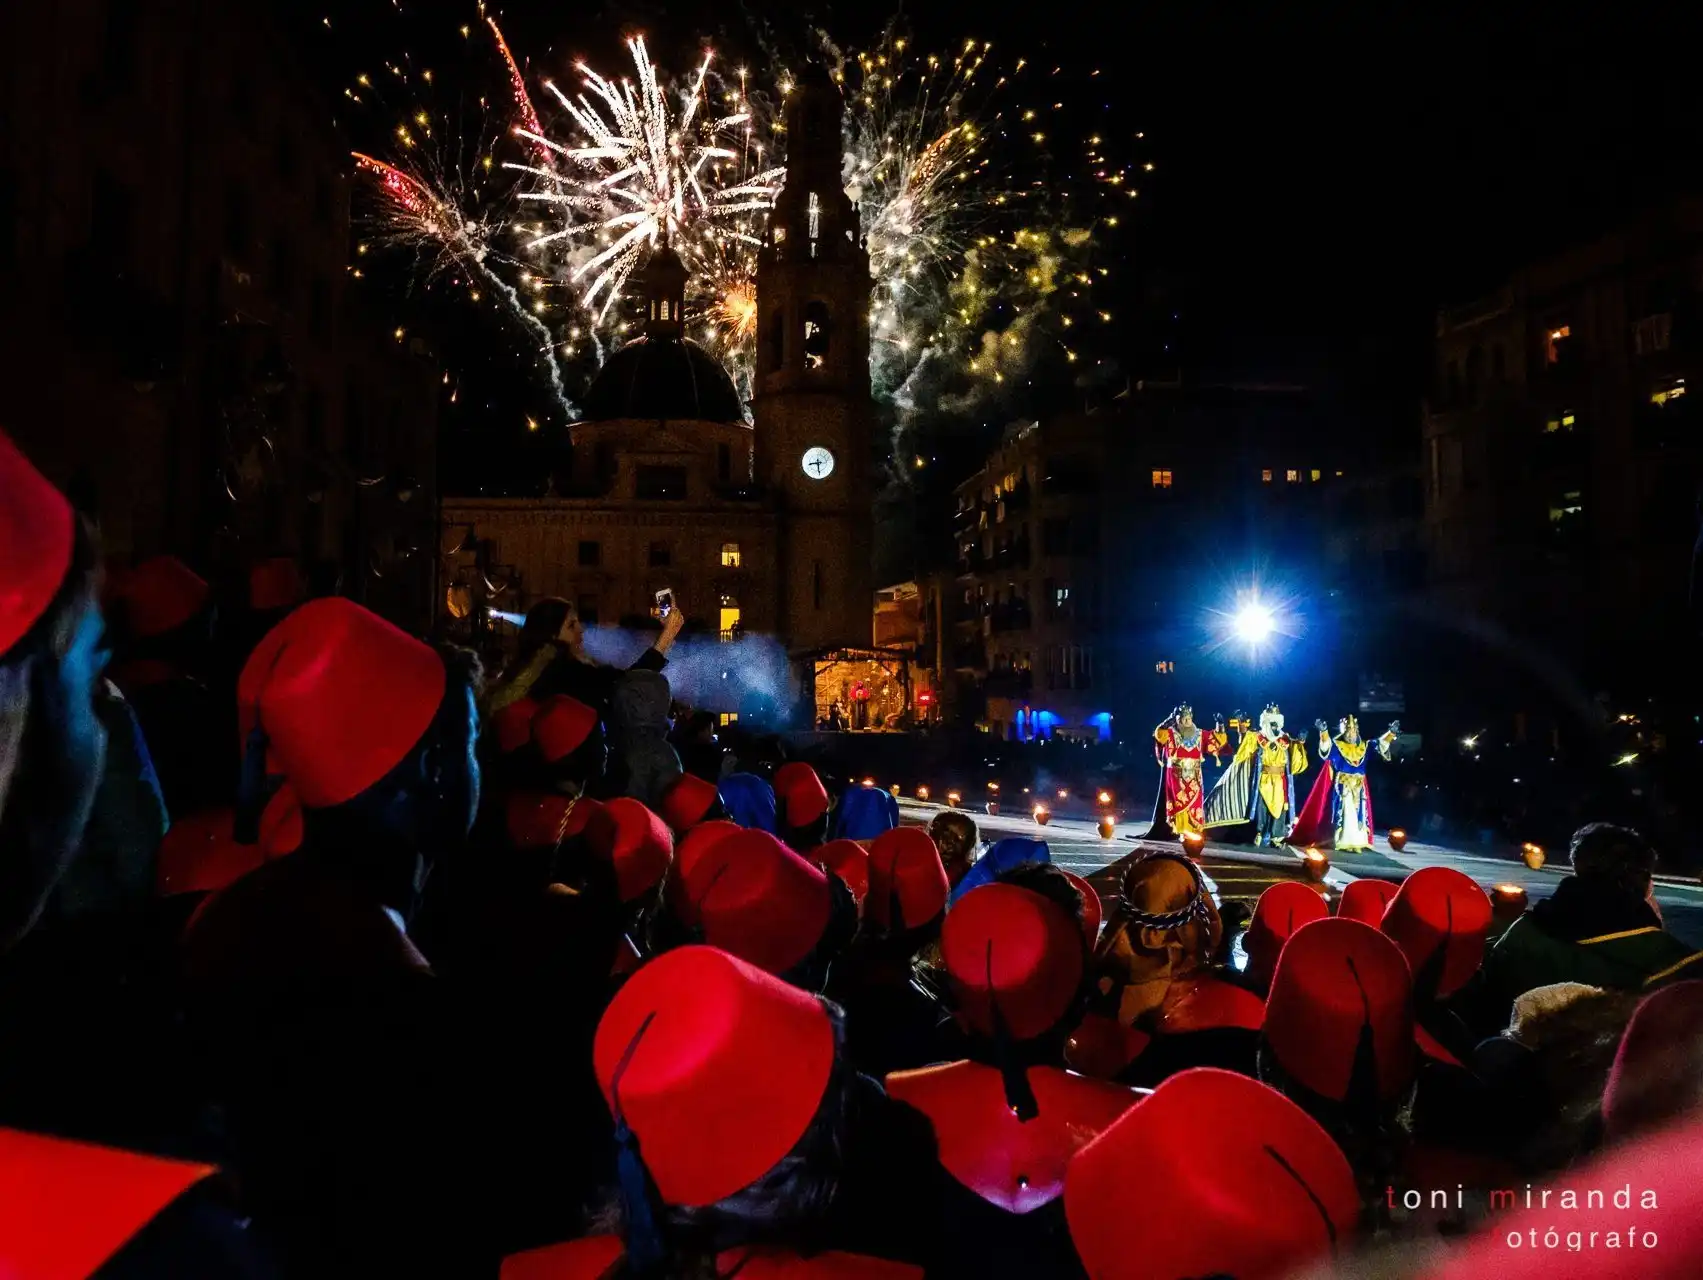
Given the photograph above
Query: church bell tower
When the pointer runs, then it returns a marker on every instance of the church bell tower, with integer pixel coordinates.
(812, 415)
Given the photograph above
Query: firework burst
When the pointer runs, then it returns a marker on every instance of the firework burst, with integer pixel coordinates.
(975, 270)
(641, 169)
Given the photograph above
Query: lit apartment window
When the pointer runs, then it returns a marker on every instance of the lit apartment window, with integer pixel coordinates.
(727, 718)
(1316, 475)
(1293, 476)
(1565, 422)
(1556, 343)
(1165, 667)
(1668, 391)
(1161, 479)
(1266, 476)
(729, 618)
(730, 555)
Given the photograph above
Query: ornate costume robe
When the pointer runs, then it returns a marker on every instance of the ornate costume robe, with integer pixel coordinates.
(1183, 754)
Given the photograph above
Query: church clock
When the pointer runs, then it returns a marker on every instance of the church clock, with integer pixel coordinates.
(818, 463)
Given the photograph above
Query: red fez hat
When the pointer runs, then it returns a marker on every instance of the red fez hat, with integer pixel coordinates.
(161, 594)
(1010, 947)
(637, 842)
(1016, 1164)
(683, 890)
(342, 697)
(201, 855)
(1365, 901)
(906, 879)
(847, 859)
(543, 819)
(1281, 910)
(1235, 1180)
(1439, 918)
(512, 726)
(36, 542)
(1657, 1075)
(1337, 982)
(717, 1068)
(800, 796)
(1206, 1003)
(274, 584)
(757, 899)
(687, 800)
(67, 1207)
(561, 725)
(1101, 1046)
(1660, 1173)
(595, 1257)
(1093, 912)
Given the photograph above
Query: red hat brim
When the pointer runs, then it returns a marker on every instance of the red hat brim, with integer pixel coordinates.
(37, 538)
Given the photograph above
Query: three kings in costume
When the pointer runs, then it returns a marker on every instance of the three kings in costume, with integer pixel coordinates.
(1182, 747)
(1339, 808)
(1259, 785)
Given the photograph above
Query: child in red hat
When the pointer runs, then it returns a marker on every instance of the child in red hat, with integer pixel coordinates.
(50, 664)
(1006, 1118)
(893, 1011)
(752, 896)
(1338, 1038)
(801, 806)
(303, 972)
(738, 1123)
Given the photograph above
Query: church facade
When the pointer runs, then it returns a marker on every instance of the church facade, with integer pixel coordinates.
(762, 527)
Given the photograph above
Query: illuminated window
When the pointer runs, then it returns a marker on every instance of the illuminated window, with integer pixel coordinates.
(728, 717)
(664, 311)
(815, 215)
(1161, 479)
(780, 235)
(1316, 475)
(729, 615)
(1668, 391)
(730, 555)
(1556, 343)
(1566, 511)
(1266, 476)
(1165, 667)
(1292, 476)
(1565, 422)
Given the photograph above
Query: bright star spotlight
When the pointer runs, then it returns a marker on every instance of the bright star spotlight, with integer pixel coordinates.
(1254, 623)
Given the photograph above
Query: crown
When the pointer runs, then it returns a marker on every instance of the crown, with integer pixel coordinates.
(1349, 723)
(1272, 708)
(1185, 709)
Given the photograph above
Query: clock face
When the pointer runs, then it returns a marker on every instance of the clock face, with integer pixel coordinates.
(818, 463)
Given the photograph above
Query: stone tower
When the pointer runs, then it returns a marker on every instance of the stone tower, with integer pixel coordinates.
(812, 415)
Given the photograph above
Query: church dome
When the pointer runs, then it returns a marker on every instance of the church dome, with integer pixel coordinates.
(660, 377)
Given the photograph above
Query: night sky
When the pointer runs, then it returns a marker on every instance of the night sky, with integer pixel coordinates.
(1325, 177)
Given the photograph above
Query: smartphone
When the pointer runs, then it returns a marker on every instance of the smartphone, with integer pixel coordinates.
(665, 601)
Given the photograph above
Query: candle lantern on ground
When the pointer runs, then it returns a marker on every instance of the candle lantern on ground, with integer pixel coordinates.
(1509, 901)
(1398, 839)
(1532, 855)
(1193, 843)
(1316, 864)
(1043, 815)
(1108, 826)
(922, 793)
(953, 799)
(993, 799)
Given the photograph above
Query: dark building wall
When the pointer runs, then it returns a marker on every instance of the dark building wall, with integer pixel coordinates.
(174, 241)
(1563, 454)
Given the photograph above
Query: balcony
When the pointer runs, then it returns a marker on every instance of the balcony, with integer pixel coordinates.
(1014, 616)
(1009, 684)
